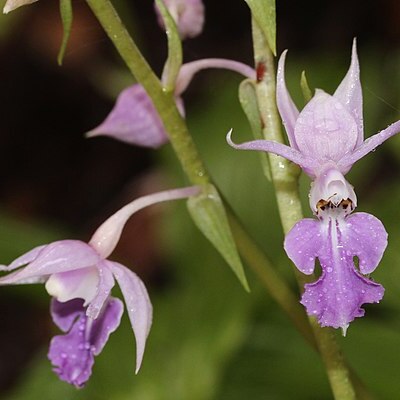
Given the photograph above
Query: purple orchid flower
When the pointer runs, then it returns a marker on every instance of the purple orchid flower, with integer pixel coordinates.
(326, 139)
(187, 14)
(79, 278)
(134, 119)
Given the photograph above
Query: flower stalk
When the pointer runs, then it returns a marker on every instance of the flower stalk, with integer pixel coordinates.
(285, 180)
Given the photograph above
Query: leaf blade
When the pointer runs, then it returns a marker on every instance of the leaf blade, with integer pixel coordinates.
(208, 213)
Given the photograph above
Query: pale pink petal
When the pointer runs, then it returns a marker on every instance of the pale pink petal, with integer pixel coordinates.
(133, 120)
(105, 285)
(138, 304)
(61, 256)
(24, 259)
(308, 164)
(349, 93)
(325, 130)
(369, 145)
(287, 109)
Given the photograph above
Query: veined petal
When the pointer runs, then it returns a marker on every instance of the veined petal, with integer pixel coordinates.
(138, 304)
(60, 256)
(325, 130)
(349, 93)
(308, 164)
(13, 4)
(287, 109)
(72, 354)
(336, 298)
(134, 120)
(369, 145)
(106, 283)
(365, 237)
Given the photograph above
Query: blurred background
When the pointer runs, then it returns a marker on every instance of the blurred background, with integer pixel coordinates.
(210, 340)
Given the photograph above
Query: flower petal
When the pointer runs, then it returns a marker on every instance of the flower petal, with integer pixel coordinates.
(72, 354)
(138, 305)
(325, 130)
(106, 324)
(366, 238)
(64, 314)
(308, 164)
(369, 145)
(349, 93)
(287, 109)
(336, 298)
(60, 256)
(106, 283)
(133, 120)
(302, 244)
(24, 259)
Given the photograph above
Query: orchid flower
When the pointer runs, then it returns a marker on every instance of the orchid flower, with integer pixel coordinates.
(134, 119)
(79, 277)
(187, 14)
(326, 139)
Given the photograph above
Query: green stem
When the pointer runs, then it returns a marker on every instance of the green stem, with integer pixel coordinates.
(285, 180)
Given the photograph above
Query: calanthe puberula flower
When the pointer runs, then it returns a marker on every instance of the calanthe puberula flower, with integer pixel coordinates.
(325, 139)
(79, 277)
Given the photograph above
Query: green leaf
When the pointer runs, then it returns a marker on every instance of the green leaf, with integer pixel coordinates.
(208, 213)
(248, 101)
(174, 60)
(66, 17)
(264, 13)
(305, 88)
